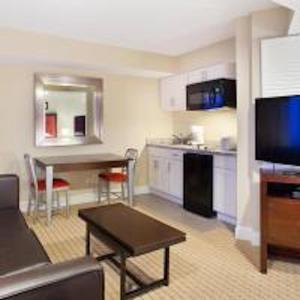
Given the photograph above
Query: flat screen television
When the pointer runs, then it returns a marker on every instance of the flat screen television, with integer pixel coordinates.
(278, 130)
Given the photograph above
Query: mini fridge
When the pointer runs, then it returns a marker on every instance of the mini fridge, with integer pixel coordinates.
(198, 184)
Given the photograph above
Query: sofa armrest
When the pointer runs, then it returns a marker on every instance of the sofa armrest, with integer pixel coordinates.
(9, 192)
(75, 279)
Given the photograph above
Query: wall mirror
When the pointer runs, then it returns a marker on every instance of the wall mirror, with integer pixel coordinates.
(68, 110)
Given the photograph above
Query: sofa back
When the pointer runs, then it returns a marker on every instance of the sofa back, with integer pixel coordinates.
(9, 192)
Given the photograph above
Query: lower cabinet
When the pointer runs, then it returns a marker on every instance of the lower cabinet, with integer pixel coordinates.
(175, 178)
(166, 173)
(166, 179)
(224, 190)
(156, 171)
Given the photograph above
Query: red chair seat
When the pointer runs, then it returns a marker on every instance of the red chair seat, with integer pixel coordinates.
(113, 177)
(57, 184)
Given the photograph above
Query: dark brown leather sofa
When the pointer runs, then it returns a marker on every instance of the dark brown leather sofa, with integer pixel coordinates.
(26, 272)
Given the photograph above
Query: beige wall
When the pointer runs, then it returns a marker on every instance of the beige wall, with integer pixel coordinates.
(217, 123)
(29, 47)
(126, 98)
(220, 52)
(131, 114)
(249, 31)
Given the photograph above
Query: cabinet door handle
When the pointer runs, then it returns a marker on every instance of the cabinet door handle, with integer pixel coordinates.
(169, 167)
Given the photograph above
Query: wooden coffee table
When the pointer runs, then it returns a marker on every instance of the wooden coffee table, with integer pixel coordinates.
(130, 233)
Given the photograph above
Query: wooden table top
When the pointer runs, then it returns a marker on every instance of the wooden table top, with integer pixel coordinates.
(133, 230)
(83, 161)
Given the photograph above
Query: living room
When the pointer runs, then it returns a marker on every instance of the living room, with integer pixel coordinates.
(125, 65)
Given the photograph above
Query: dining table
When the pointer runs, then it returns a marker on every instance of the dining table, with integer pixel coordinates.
(73, 163)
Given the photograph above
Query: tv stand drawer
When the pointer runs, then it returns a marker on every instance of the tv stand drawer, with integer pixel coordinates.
(284, 222)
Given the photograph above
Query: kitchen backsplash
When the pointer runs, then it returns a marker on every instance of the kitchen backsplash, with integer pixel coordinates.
(217, 123)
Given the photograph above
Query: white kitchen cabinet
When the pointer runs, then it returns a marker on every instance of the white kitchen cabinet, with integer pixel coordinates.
(157, 167)
(196, 76)
(173, 92)
(226, 70)
(224, 187)
(225, 192)
(222, 71)
(175, 178)
(154, 172)
(166, 173)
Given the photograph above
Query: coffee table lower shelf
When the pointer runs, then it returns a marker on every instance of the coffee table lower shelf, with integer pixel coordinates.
(142, 286)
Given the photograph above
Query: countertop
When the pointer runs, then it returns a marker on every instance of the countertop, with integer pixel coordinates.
(191, 148)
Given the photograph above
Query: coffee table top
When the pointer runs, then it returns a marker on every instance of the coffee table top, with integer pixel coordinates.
(133, 230)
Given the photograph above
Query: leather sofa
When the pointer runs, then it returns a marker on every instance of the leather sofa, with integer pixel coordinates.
(26, 272)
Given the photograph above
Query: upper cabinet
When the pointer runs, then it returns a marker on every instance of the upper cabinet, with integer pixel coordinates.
(173, 88)
(215, 72)
(198, 76)
(173, 92)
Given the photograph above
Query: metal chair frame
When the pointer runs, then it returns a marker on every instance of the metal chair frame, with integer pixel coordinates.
(130, 153)
(37, 197)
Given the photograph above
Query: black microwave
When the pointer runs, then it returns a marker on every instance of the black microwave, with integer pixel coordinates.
(211, 94)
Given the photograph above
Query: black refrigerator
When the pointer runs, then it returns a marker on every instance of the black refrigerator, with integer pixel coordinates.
(198, 184)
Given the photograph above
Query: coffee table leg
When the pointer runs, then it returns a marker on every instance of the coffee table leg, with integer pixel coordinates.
(167, 266)
(123, 276)
(88, 242)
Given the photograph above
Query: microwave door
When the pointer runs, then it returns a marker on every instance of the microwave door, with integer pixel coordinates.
(198, 100)
(219, 91)
(206, 100)
(211, 94)
(212, 99)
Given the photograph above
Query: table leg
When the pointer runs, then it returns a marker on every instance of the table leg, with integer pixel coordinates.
(130, 182)
(49, 187)
(88, 242)
(167, 266)
(123, 276)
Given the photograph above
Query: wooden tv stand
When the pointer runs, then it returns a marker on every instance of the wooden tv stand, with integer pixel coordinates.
(279, 216)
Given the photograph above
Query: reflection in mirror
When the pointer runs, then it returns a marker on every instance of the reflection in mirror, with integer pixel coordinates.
(68, 110)
(65, 113)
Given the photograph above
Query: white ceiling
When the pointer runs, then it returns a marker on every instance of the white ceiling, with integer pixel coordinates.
(169, 27)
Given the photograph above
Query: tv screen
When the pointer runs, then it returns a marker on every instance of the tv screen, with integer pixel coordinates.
(278, 130)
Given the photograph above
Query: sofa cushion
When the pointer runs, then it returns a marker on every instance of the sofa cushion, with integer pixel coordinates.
(19, 247)
(11, 220)
(9, 187)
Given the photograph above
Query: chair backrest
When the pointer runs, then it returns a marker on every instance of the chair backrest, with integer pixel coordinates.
(132, 154)
(30, 169)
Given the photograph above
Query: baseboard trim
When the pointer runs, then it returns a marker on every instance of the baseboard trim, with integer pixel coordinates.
(166, 196)
(226, 218)
(87, 196)
(140, 190)
(248, 234)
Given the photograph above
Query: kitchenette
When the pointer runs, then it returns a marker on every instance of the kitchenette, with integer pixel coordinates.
(196, 167)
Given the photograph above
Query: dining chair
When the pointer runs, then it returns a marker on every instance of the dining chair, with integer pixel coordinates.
(108, 177)
(37, 189)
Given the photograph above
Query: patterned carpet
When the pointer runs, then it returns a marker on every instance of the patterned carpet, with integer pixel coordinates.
(208, 266)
